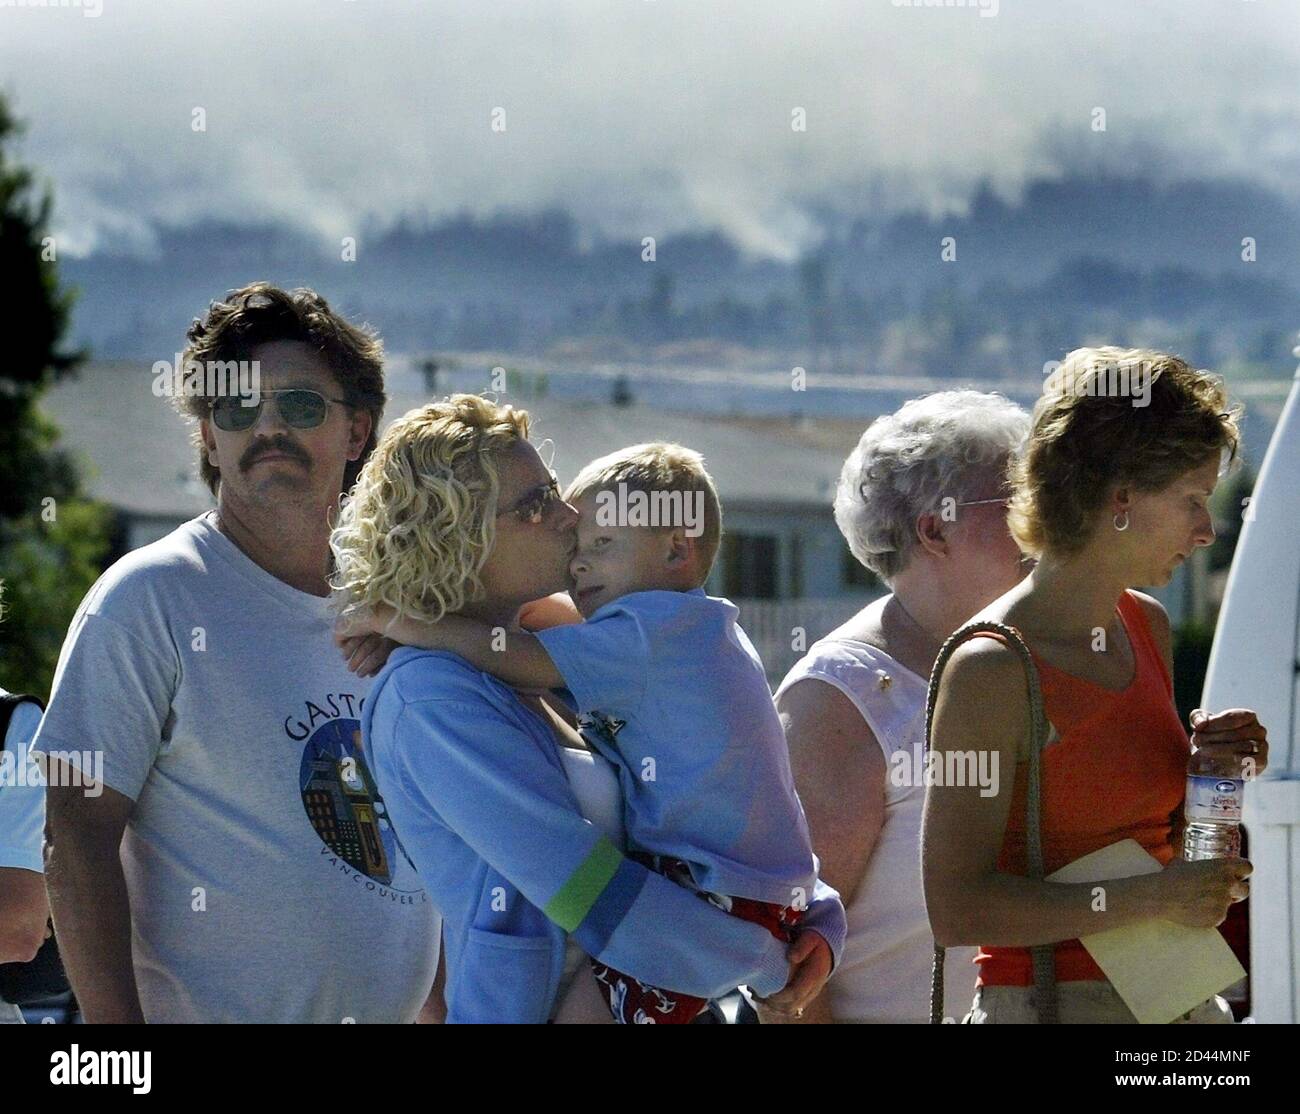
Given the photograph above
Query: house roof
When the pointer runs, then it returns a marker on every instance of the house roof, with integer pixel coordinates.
(139, 457)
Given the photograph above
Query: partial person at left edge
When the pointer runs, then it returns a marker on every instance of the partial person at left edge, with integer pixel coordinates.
(233, 861)
(24, 912)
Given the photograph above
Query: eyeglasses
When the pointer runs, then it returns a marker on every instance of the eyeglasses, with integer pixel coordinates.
(299, 408)
(1005, 500)
(532, 508)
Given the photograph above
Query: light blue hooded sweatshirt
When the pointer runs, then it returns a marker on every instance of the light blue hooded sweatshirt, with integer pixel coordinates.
(472, 780)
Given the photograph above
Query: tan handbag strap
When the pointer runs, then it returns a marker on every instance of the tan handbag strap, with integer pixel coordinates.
(1043, 955)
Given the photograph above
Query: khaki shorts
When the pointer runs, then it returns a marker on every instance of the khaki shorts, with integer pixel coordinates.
(1077, 1003)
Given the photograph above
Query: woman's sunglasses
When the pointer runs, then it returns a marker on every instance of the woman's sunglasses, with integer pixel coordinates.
(299, 408)
(532, 508)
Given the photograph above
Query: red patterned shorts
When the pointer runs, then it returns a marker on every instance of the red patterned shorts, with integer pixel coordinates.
(632, 1002)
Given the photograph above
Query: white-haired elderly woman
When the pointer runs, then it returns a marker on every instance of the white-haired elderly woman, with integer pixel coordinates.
(922, 502)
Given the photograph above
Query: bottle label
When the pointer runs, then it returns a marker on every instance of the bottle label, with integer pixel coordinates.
(1214, 800)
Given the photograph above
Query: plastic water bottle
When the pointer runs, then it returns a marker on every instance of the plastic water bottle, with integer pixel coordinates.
(1213, 808)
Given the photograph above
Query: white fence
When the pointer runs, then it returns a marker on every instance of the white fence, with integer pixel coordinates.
(782, 630)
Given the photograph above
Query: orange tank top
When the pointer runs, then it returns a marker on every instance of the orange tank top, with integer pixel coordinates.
(1117, 771)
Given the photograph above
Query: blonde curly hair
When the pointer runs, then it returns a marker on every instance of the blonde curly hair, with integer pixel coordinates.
(422, 518)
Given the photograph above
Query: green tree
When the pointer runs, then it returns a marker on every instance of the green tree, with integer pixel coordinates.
(52, 538)
(1230, 506)
(1191, 647)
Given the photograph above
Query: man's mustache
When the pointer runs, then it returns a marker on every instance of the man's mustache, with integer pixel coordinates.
(276, 445)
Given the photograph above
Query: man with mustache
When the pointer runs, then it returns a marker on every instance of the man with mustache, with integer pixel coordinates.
(237, 863)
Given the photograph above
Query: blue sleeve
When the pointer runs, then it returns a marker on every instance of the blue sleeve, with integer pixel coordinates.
(826, 915)
(481, 774)
(22, 804)
(603, 661)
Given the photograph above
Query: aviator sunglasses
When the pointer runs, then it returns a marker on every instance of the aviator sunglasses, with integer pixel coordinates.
(299, 407)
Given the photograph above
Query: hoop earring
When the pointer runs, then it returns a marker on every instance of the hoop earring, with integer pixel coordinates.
(1116, 521)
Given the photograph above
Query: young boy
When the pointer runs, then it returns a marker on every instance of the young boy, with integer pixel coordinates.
(673, 693)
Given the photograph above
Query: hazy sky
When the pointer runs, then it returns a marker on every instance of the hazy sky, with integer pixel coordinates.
(641, 116)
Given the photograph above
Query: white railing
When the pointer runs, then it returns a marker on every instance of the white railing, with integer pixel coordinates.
(779, 628)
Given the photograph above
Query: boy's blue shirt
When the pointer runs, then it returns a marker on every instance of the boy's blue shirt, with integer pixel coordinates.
(472, 779)
(678, 700)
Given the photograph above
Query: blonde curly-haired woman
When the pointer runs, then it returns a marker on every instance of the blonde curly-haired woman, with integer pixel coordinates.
(513, 825)
(1112, 491)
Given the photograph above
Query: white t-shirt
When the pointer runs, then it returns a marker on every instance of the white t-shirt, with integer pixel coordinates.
(884, 974)
(22, 809)
(265, 880)
(595, 784)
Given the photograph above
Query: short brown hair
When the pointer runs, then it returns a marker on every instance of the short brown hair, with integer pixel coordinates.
(1088, 436)
(652, 467)
(260, 313)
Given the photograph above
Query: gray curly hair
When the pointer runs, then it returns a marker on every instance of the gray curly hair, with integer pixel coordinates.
(940, 445)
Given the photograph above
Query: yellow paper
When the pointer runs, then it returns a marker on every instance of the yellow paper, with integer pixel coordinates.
(1160, 969)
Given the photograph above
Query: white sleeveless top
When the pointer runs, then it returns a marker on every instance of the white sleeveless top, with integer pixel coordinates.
(595, 784)
(884, 975)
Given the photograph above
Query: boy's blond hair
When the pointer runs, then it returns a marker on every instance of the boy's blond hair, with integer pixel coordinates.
(652, 467)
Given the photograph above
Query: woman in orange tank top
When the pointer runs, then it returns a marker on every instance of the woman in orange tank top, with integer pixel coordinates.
(1112, 491)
